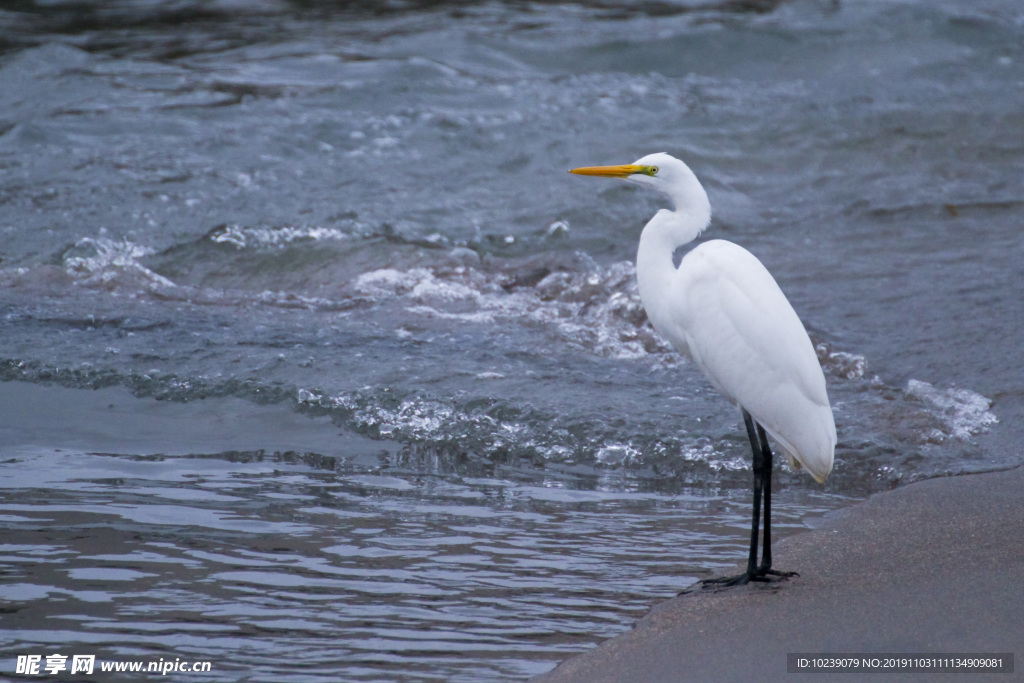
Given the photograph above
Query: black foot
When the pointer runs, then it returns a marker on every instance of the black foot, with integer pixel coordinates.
(776, 572)
(760, 575)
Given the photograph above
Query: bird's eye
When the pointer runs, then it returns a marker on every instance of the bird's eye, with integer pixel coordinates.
(654, 170)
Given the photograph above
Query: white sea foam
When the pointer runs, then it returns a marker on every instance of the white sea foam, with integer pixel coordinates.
(426, 420)
(489, 375)
(716, 460)
(415, 418)
(963, 412)
(113, 264)
(617, 454)
(598, 310)
(245, 236)
(430, 420)
(291, 300)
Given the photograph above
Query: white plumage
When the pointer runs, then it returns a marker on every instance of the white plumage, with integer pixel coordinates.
(737, 326)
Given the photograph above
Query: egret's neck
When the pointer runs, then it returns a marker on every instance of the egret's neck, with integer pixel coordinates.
(663, 234)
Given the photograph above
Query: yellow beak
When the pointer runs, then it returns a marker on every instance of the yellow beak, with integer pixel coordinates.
(623, 171)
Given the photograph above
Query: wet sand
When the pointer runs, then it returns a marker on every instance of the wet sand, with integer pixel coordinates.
(933, 567)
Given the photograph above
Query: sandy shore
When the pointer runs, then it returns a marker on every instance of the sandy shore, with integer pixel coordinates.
(933, 567)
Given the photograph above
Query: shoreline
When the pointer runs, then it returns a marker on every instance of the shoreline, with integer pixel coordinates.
(931, 567)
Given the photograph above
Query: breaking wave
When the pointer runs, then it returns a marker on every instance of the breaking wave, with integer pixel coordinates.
(598, 311)
(266, 237)
(113, 264)
(570, 299)
(963, 413)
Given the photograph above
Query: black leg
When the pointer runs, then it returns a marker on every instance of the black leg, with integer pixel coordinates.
(753, 573)
(758, 487)
(762, 466)
(766, 545)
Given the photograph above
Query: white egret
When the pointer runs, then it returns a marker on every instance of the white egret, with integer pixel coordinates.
(723, 309)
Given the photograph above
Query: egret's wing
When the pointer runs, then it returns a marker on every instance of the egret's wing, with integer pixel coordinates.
(743, 333)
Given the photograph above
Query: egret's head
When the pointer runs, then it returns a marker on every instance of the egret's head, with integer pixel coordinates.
(664, 173)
